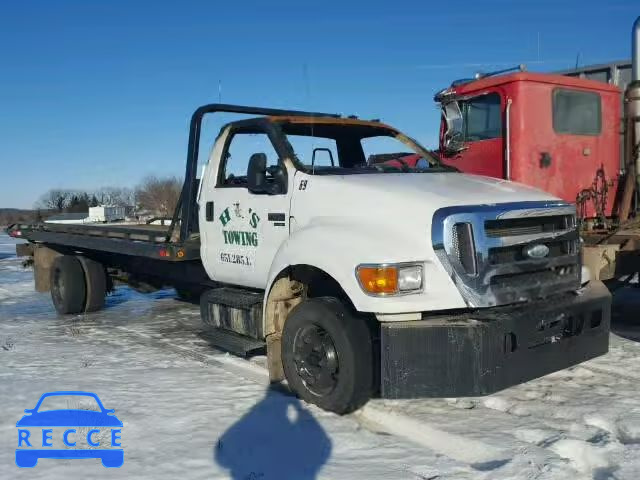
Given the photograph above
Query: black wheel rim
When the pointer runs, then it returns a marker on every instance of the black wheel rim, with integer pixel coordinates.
(316, 359)
(58, 286)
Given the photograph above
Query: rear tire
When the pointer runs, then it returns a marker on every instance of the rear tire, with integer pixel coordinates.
(96, 284)
(327, 355)
(68, 285)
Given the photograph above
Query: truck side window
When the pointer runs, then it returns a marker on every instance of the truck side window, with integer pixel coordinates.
(237, 154)
(390, 150)
(482, 117)
(576, 112)
(326, 151)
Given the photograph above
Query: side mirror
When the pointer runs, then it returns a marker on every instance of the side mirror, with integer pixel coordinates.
(454, 144)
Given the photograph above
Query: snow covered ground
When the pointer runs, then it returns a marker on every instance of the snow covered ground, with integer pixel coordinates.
(190, 411)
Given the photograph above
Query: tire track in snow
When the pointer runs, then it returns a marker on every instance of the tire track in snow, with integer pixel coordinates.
(603, 370)
(477, 454)
(245, 369)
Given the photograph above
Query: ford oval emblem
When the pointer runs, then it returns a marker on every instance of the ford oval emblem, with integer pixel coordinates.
(536, 251)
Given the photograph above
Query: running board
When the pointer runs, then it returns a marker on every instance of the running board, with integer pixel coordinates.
(233, 310)
(233, 343)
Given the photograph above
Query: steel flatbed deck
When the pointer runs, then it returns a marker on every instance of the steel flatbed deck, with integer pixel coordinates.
(140, 240)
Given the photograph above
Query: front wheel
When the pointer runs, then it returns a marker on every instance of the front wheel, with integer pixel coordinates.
(327, 355)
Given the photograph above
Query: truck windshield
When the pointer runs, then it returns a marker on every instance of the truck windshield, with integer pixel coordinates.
(340, 148)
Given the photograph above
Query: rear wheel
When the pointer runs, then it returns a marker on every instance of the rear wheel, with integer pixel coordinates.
(327, 355)
(68, 285)
(96, 284)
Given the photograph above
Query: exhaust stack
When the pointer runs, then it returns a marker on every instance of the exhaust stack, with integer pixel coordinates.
(632, 106)
(635, 53)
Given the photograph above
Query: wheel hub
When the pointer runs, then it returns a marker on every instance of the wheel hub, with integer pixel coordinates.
(316, 359)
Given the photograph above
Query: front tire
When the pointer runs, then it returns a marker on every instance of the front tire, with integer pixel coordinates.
(327, 355)
(68, 285)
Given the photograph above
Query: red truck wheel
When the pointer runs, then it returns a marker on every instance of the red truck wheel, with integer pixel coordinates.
(327, 355)
(68, 286)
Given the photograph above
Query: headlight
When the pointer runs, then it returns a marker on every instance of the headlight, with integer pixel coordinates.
(390, 279)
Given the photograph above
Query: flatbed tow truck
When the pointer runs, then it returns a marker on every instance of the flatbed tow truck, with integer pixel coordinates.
(360, 278)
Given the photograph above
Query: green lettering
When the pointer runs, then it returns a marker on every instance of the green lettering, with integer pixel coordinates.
(235, 237)
(254, 220)
(225, 217)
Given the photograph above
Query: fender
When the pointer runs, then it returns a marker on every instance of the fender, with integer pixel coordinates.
(338, 245)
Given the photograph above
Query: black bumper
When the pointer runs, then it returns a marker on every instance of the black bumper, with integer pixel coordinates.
(482, 352)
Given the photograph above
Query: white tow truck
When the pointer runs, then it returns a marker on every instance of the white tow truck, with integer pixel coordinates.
(308, 235)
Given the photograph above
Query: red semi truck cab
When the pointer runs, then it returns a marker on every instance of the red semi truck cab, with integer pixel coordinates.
(559, 134)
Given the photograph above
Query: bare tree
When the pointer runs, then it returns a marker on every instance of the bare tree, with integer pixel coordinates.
(121, 197)
(54, 200)
(159, 195)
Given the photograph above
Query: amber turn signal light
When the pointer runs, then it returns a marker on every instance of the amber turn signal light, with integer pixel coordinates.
(378, 280)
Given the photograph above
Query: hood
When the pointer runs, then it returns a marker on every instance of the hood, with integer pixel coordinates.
(425, 191)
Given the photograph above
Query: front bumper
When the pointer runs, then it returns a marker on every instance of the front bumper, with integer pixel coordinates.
(482, 352)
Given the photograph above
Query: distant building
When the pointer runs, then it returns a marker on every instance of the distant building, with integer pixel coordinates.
(68, 218)
(100, 214)
(107, 213)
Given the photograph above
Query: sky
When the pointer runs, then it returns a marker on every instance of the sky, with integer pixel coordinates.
(99, 93)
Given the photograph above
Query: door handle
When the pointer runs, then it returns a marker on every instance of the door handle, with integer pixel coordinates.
(278, 219)
(545, 160)
(209, 211)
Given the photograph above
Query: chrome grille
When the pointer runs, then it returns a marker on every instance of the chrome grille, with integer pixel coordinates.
(503, 271)
(463, 247)
(516, 253)
(527, 226)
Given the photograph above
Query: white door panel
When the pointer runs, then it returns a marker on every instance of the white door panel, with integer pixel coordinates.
(242, 231)
(248, 229)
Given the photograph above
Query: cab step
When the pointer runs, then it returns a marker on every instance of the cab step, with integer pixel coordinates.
(234, 343)
(234, 310)
(234, 297)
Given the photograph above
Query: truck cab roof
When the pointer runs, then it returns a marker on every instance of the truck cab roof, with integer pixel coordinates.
(560, 80)
(323, 126)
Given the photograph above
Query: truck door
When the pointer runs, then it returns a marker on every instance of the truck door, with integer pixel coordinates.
(479, 133)
(240, 230)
